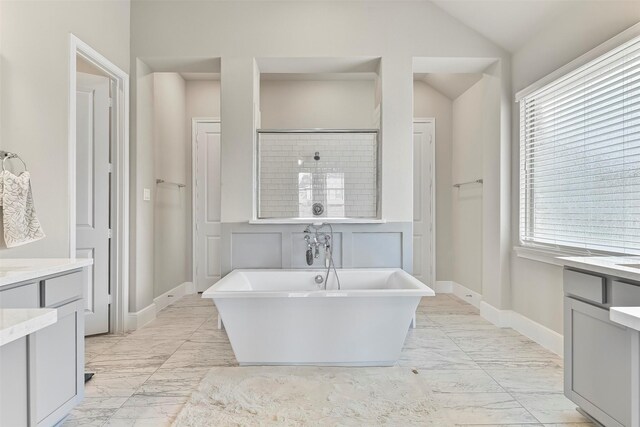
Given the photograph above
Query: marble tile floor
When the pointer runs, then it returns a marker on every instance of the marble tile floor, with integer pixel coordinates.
(481, 374)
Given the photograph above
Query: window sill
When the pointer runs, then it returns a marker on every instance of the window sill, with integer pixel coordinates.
(547, 256)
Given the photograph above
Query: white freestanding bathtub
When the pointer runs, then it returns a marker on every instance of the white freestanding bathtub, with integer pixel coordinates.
(282, 317)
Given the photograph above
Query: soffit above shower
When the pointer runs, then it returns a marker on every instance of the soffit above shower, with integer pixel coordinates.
(317, 76)
(316, 65)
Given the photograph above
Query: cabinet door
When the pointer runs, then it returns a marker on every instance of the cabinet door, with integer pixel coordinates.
(58, 364)
(597, 363)
(14, 398)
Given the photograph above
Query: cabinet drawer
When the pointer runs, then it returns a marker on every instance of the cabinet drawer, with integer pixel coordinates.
(62, 289)
(25, 296)
(585, 286)
(624, 294)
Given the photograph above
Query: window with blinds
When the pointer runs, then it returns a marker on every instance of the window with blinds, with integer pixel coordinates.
(580, 157)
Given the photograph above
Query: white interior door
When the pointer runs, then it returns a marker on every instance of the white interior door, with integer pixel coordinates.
(423, 209)
(93, 194)
(206, 204)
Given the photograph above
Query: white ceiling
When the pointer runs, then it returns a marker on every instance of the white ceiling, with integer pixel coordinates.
(507, 23)
(450, 85)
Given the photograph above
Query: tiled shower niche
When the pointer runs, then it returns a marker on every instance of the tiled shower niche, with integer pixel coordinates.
(335, 172)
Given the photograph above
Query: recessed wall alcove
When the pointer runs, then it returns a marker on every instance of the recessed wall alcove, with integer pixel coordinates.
(318, 140)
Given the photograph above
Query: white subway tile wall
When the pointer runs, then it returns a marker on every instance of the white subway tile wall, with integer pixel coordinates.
(343, 180)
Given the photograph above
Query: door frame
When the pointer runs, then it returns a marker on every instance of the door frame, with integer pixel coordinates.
(194, 161)
(432, 236)
(119, 267)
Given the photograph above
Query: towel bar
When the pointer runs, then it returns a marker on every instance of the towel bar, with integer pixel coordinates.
(477, 181)
(162, 181)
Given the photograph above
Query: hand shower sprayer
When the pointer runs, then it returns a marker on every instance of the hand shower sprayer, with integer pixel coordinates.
(309, 252)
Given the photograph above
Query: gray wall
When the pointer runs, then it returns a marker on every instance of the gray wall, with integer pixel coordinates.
(306, 104)
(467, 201)
(141, 218)
(172, 266)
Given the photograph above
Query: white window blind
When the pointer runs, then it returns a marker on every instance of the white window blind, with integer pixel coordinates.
(580, 157)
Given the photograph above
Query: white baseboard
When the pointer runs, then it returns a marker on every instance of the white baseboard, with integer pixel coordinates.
(443, 287)
(140, 318)
(500, 318)
(467, 295)
(544, 336)
(462, 292)
(173, 295)
(547, 338)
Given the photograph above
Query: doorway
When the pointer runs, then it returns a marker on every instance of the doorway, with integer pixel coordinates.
(424, 201)
(98, 184)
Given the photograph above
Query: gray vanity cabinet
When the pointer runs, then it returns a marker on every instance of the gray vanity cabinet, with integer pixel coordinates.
(602, 358)
(43, 373)
(597, 363)
(14, 395)
(58, 379)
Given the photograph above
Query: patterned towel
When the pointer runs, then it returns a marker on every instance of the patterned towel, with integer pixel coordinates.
(19, 222)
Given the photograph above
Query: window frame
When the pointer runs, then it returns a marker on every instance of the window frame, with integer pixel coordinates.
(550, 253)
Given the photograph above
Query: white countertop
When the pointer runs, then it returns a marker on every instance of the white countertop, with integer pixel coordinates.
(22, 269)
(626, 316)
(16, 323)
(610, 265)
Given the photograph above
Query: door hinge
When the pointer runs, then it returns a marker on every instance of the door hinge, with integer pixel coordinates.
(110, 167)
(110, 299)
(110, 102)
(109, 234)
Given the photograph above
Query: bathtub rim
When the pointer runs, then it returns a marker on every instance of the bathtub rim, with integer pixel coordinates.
(419, 289)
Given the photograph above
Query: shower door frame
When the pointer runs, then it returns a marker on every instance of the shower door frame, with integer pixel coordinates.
(300, 220)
